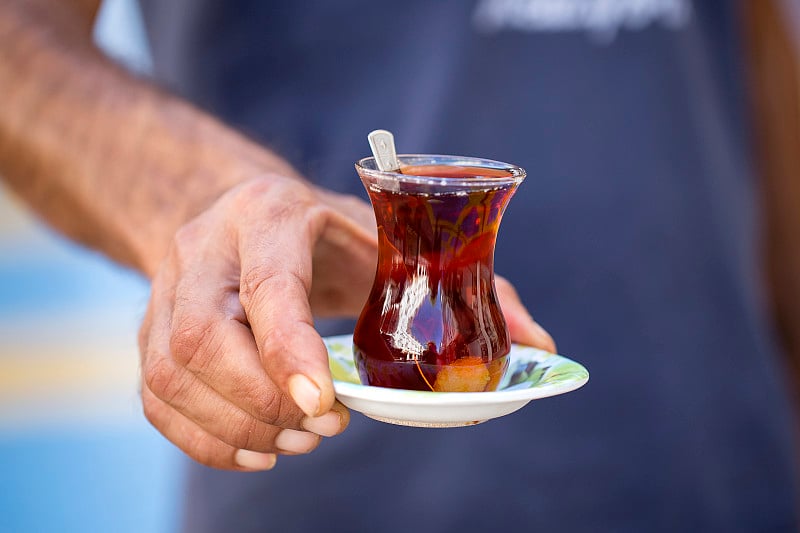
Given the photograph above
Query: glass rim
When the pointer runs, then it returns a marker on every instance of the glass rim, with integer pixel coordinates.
(517, 173)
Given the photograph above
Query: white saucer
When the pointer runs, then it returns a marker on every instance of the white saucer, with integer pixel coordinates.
(532, 374)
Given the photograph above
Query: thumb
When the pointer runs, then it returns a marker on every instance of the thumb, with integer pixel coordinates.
(522, 328)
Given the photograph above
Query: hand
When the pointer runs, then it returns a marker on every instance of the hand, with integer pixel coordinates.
(521, 326)
(233, 369)
(234, 372)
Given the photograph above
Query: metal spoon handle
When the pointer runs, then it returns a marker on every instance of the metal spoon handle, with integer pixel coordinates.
(382, 144)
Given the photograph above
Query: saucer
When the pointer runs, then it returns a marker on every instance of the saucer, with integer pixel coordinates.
(532, 374)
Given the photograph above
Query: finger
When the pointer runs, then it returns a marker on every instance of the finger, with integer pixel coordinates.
(347, 249)
(198, 402)
(276, 279)
(209, 338)
(226, 361)
(521, 326)
(175, 385)
(185, 393)
(199, 444)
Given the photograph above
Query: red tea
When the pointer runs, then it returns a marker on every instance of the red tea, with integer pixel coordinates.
(432, 320)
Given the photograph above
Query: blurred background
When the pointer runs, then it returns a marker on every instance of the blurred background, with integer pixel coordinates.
(76, 453)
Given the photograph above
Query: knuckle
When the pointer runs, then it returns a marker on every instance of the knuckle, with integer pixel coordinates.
(246, 433)
(291, 193)
(285, 196)
(275, 341)
(258, 284)
(274, 347)
(244, 193)
(193, 343)
(164, 379)
(273, 407)
(185, 241)
(253, 283)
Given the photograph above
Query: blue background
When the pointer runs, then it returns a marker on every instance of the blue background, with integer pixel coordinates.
(76, 453)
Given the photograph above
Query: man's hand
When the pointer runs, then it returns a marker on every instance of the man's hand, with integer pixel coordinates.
(233, 369)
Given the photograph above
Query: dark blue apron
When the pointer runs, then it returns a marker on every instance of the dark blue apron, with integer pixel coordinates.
(633, 241)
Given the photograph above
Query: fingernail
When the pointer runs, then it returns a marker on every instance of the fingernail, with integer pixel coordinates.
(304, 393)
(327, 425)
(255, 460)
(290, 440)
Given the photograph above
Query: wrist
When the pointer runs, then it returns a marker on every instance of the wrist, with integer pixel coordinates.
(197, 159)
(198, 192)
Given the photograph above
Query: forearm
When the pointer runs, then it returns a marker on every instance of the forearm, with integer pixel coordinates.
(104, 157)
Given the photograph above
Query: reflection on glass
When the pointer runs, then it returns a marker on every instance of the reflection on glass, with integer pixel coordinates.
(432, 320)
